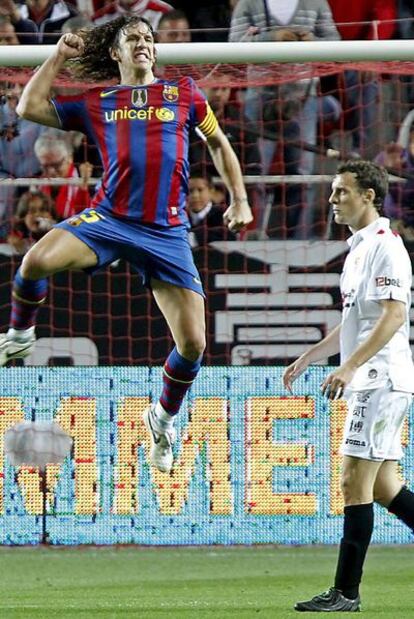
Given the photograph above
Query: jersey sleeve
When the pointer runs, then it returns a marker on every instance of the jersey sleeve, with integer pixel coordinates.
(201, 114)
(388, 277)
(71, 111)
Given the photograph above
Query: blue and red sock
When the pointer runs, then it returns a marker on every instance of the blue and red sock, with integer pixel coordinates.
(179, 374)
(27, 296)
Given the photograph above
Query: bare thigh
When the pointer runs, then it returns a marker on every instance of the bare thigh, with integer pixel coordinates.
(183, 309)
(388, 483)
(58, 250)
(358, 479)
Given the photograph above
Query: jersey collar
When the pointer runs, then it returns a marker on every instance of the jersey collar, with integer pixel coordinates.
(382, 223)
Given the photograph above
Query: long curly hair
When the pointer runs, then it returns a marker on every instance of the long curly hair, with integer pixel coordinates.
(96, 63)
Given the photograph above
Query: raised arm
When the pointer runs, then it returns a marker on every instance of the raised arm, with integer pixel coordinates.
(239, 214)
(35, 101)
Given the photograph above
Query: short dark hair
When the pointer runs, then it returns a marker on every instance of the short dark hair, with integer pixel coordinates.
(198, 173)
(368, 175)
(173, 15)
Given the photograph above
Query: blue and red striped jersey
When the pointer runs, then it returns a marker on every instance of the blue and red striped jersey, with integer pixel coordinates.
(142, 134)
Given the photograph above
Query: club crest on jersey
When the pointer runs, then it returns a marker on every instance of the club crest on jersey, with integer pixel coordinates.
(170, 93)
(139, 97)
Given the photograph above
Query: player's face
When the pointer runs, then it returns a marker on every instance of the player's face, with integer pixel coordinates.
(199, 195)
(351, 206)
(135, 48)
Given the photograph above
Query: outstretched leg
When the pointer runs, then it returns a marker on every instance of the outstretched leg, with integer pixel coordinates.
(183, 310)
(58, 250)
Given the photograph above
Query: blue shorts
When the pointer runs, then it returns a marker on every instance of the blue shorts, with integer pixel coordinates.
(152, 251)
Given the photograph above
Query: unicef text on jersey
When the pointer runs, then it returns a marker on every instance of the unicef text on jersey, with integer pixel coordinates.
(161, 113)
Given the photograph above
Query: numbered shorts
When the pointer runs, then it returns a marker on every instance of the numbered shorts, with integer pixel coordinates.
(153, 251)
(374, 422)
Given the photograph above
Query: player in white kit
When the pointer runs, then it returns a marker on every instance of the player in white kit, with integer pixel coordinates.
(376, 374)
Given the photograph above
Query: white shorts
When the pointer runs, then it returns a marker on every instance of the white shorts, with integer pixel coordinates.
(374, 422)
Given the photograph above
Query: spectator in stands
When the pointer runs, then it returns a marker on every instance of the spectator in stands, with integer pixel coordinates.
(363, 20)
(152, 10)
(39, 21)
(55, 155)
(76, 23)
(399, 202)
(173, 27)
(206, 217)
(285, 114)
(243, 140)
(210, 18)
(8, 34)
(17, 159)
(35, 215)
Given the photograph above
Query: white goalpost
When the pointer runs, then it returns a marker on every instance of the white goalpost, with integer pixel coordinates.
(245, 52)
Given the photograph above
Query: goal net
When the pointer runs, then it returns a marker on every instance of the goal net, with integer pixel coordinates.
(271, 291)
(253, 464)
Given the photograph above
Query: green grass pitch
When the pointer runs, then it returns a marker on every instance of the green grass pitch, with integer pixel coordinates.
(203, 582)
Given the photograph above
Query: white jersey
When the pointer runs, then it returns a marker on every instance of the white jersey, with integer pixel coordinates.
(377, 267)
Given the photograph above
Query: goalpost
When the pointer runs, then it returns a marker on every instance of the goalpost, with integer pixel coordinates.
(245, 52)
(254, 300)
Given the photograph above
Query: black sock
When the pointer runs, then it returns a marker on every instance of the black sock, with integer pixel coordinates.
(402, 506)
(358, 526)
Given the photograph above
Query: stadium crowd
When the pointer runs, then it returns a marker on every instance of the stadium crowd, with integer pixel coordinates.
(290, 129)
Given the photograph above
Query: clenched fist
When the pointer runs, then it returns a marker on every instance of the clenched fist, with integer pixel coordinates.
(70, 46)
(238, 215)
